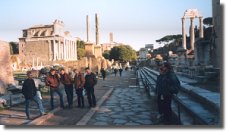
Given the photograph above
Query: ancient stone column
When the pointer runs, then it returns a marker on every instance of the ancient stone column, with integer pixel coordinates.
(54, 51)
(66, 49)
(192, 34)
(97, 29)
(33, 62)
(201, 33)
(50, 50)
(75, 51)
(59, 50)
(111, 37)
(37, 61)
(70, 50)
(183, 34)
(87, 23)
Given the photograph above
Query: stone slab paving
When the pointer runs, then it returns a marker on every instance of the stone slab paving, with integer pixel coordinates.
(16, 115)
(128, 105)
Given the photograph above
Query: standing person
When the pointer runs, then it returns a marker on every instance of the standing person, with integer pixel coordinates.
(53, 82)
(167, 85)
(115, 71)
(68, 86)
(79, 81)
(90, 82)
(30, 93)
(103, 72)
(120, 71)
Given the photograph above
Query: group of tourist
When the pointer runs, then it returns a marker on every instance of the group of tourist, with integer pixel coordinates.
(167, 85)
(77, 80)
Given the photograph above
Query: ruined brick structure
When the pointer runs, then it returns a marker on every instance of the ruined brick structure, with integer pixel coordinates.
(6, 75)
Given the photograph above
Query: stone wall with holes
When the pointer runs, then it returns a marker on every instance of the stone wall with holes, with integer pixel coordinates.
(6, 75)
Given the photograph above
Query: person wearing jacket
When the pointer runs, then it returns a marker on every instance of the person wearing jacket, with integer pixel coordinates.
(167, 84)
(103, 72)
(30, 93)
(68, 85)
(79, 81)
(53, 82)
(90, 82)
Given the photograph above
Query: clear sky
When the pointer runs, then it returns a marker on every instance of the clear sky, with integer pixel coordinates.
(135, 22)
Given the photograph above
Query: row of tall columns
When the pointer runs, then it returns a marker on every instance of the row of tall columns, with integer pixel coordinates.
(64, 51)
(192, 32)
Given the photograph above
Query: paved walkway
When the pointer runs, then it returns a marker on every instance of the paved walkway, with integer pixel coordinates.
(119, 102)
(127, 105)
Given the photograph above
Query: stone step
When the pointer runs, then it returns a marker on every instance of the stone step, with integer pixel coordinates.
(201, 79)
(211, 74)
(194, 110)
(205, 97)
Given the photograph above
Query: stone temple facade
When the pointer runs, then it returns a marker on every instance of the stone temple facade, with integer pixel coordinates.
(47, 44)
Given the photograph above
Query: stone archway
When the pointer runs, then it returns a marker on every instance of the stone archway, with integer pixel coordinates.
(191, 14)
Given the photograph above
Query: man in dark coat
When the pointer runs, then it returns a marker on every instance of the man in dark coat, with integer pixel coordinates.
(120, 71)
(103, 72)
(67, 80)
(53, 82)
(90, 82)
(167, 85)
(30, 93)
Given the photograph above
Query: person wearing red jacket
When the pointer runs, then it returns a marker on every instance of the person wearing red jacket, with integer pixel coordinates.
(53, 82)
(68, 85)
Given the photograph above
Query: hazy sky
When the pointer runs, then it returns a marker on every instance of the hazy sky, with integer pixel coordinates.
(135, 22)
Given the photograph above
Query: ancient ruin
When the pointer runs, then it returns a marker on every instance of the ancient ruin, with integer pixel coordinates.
(6, 76)
(47, 43)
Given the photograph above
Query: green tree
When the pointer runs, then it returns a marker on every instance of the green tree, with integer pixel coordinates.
(208, 21)
(106, 54)
(169, 38)
(80, 44)
(123, 53)
(80, 49)
(14, 48)
(80, 53)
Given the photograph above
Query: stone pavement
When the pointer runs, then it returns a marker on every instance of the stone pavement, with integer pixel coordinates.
(119, 102)
(127, 105)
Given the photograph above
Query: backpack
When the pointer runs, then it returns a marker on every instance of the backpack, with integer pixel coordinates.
(174, 83)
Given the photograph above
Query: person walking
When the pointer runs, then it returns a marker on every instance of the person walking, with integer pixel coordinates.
(67, 80)
(79, 81)
(53, 82)
(103, 72)
(120, 71)
(30, 93)
(90, 82)
(115, 72)
(167, 85)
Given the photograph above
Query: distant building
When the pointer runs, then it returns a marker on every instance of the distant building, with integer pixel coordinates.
(149, 47)
(47, 44)
(143, 54)
(108, 46)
